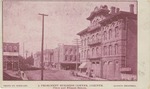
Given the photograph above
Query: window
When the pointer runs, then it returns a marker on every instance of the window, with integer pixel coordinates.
(97, 36)
(15, 48)
(123, 63)
(97, 62)
(82, 42)
(105, 50)
(88, 39)
(5, 48)
(105, 35)
(116, 48)
(110, 33)
(97, 51)
(70, 51)
(85, 42)
(93, 38)
(88, 53)
(116, 31)
(10, 48)
(93, 52)
(110, 49)
(85, 54)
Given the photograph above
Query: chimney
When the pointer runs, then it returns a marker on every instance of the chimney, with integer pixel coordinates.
(112, 10)
(117, 10)
(131, 8)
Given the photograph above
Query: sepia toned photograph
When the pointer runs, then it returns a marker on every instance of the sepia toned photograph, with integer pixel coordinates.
(69, 41)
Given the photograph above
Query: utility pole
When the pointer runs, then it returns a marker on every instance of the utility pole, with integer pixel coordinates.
(42, 44)
(77, 52)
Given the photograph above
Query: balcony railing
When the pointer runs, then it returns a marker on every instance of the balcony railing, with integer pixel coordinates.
(94, 42)
(94, 57)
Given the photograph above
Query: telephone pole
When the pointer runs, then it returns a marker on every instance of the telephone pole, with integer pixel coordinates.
(42, 44)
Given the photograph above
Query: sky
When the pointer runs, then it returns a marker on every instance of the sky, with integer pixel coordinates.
(21, 22)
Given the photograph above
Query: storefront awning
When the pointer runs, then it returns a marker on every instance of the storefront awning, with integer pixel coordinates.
(83, 65)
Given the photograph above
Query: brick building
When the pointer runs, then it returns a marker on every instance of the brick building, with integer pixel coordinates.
(10, 56)
(109, 44)
(66, 57)
(48, 57)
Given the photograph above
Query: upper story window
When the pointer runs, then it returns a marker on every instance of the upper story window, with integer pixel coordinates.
(85, 54)
(116, 31)
(97, 51)
(88, 54)
(93, 38)
(110, 49)
(97, 36)
(88, 39)
(93, 52)
(5, 48)
(15, 49)
(116, 48)
(105, 50)
(85, 42)
(10, 48)
(110, 33)
(105, 35)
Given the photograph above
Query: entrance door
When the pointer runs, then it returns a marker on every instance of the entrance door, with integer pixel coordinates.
(110, 70)
(105, 70)
(117, 72)
(97, 67)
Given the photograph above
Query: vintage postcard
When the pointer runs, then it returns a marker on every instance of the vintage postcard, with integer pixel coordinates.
(75, 44)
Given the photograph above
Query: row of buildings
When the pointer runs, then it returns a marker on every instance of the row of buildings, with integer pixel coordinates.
(10, 56)
(63, 57)
(109, 44)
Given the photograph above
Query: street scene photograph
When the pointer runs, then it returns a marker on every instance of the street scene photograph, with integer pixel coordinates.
(69, 41)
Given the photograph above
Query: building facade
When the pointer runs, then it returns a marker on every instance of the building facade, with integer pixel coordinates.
(109, 44)
(47, 59)
(10, 56)
(67, 57)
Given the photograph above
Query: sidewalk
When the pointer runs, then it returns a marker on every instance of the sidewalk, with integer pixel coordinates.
(91, 78)
(12, 73)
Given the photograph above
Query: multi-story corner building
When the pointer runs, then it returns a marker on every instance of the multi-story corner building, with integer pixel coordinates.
(67, 57)
(47, 58)
(10, 56)
(109, 44)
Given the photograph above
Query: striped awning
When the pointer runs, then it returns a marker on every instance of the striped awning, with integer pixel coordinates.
(83, 65)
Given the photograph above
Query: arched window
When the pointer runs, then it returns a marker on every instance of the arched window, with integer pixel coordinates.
(82, 54)
(5, 48)
(105, 35)
(97, 51)
(93, 38)
(88, 39)
(70, 51)
(105, 50)
(88, 55)
(110, 33)
(116, 48)
(10, 48)
(85, 54)
(74, 51)
(15, 49)
(82, 42)
(116, 31)
(97, 36)
(85, 42)
(110, 49)
(93, 52)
